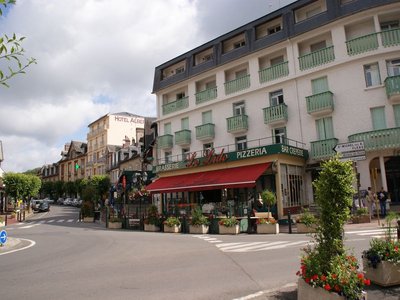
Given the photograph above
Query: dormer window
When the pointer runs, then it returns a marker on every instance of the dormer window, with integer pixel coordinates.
(239, 44)
(274, 29)
(179, 70)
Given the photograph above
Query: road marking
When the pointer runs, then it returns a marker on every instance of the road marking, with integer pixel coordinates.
(59, 221)
(50, 221)
(32, 243)
(265, 292)
(29, 226)
(70, 220)
(362, 231)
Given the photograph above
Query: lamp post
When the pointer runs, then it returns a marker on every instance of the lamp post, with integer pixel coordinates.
(139, 179)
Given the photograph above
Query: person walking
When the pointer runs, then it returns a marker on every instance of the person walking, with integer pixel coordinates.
(370, 201)
(382, 196)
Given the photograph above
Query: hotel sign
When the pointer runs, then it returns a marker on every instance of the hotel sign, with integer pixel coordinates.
(212, 157)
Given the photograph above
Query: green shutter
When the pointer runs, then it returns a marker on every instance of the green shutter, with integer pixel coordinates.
(324, 128)
(396, 109)
(378, 118)
(319, 85)
(167, 128)
(207, 117)
(185, 123)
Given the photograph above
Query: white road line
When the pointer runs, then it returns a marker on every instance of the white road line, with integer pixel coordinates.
(29, 226)
(70, 220)
(32, 243)
(50, 221)
(260, 293)
(230, 247)
(266, 247)
(59, 221)
(361, 231)
(42, 222)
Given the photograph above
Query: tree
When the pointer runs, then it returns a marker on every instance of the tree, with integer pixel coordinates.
(22, 186)
(12, 51)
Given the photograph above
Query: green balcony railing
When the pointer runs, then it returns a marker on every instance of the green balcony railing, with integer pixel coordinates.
(320, 102)
(274, 114)
(323, 149)
(164, 141)
(317, 58)
(274, 72)
(392, 85)
(179, 104)
(237, 123)
(237, 84)
(391, 37)
(206, 95)
(205, 131)
(183, 137)
(378, 139)
(362, 44)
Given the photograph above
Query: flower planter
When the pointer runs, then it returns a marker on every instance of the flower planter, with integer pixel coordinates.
(198, 229)
(361, 219)
(268, 228)
(228, 230)
(151, 227)
(385, 274)
(2, 223)
(302, 228)
(172, 229)
(114, 225)
(307, 292)
(88, 219)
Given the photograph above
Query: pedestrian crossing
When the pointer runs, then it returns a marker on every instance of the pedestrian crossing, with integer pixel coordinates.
(50, 221)
(373, 233)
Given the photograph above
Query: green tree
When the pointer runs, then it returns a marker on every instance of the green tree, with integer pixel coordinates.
(22, 186)
(11, 50)
(102, 185)
(59, 188)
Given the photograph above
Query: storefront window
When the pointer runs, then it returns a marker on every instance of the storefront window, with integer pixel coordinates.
(292, 185)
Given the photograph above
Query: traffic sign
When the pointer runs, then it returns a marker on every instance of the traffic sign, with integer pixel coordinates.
(351, 151)
(3, 237)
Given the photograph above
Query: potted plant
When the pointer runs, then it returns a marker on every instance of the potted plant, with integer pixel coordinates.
(306, 222)
(87, 212)
(115, 223)
(267, 225)
(327, 271)
(152, 221)
(381, 261)
(172, 224)
(269, 199)
(199, 223)
(361, 215)
(228, 226)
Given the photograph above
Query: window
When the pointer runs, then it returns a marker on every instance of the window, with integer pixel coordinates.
(277, 60)
(167, 128)
(274, 29)
(241, 73)
(318, 46)
(276, 98)
(279, 135)
(211, 84)
(324, 128)
(179, 70)
(185, 123)
(393, 67)
(372, 76)
(241, 143)
(207, 147)
(238, 109)
(378, 118)
(313, 12)
(206, 117)
(396, 110)
(168, 156)
(180, 95)
(319, 85)
(389, 25)
(185, 153)
(239, 44)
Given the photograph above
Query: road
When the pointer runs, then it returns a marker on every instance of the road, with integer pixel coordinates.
(73, 260)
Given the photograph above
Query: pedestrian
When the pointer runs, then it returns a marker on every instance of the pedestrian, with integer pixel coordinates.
(370, 201)
(382, 196)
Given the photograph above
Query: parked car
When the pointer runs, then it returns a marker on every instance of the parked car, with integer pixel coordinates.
(60, 201)
(67, 201)
(41, 205)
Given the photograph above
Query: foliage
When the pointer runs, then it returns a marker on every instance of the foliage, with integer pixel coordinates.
(266, 221)
(87, 209)
(326, 264)
(387, 249)
(361, 211)
(307, 218)
(342, 278)
(198, 218)
(88, 193)
(20, 185)
(12, 51)
(152, 216)
(228, 222)
(172, 221)
(1, 219)
(59, 188)
(268, 198)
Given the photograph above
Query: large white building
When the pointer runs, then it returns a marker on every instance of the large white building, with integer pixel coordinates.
(261, 106)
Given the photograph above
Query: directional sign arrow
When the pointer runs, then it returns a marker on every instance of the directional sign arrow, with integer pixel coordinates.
(3, 237)
(348, 147)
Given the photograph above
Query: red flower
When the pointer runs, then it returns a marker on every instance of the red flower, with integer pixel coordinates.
(334, 276)
(360, 275)
(308, 280)
(367, 282)
(337, 288)
(327, 287)
(323, 277)
(387, 254)
(298, 273)
(396, 249)
(315, 277)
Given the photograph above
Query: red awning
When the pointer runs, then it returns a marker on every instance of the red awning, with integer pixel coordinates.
(238, 177)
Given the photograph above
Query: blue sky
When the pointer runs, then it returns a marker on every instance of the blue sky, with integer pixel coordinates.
(96, 57)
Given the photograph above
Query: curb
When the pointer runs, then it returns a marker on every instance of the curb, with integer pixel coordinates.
(11, 244)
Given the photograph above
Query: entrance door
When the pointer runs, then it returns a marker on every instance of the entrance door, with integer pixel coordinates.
(392, 167)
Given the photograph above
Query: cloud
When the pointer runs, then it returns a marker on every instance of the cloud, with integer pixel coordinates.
(96, 57)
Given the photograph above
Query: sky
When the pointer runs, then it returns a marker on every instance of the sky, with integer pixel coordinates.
(96, 57)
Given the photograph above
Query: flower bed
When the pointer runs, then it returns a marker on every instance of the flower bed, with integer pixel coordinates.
(267, 226)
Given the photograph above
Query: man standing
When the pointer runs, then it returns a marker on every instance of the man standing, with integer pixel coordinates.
(370, 201)
(382, 196)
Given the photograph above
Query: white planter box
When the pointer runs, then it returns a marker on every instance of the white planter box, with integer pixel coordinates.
(114, 225)
(268, 228)
(172, 229)
(198, 229)
(302, 228)
(228, 230)
(88, 219)
(385, 274)
(2, 224)
(151, 227)
(307, 292)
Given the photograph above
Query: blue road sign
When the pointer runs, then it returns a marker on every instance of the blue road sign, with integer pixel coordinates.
(3, 237)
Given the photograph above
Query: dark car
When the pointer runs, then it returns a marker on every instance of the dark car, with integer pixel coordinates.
(41, 205)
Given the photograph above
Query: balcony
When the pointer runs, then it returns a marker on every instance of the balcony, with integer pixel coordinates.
(378, 139)
(391, 37)
(237, 124)
(362, 44)
(183, 137)
(274, 72)
(392, 85)
(205, 132)
(177, 105)
(275, 115)
(164, 141)
(316, 58)
(320, 104)
(206, 95)
(237, 84)
(323, 149)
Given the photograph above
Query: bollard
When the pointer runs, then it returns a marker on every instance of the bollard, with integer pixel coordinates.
(398, 230)
(289, 221)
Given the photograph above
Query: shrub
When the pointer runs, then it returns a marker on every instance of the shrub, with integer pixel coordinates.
(266, 221)
(198, 218)
(152, 216)
(87, 209)
(361, 211)
(228, 222)
(172, 221)
(268, 198)
(307, 218)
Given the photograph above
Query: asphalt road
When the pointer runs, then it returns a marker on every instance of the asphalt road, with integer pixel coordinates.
(73, 260)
